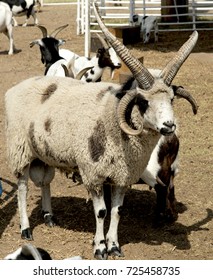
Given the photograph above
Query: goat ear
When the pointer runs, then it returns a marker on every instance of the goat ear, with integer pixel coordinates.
(61, 42)
(36, 42)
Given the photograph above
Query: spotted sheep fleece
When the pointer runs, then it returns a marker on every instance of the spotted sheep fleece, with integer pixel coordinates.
(67, 124)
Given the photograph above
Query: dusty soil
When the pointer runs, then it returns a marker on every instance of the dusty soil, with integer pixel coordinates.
(191, 236)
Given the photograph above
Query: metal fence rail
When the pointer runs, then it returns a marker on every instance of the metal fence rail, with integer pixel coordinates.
(192, 15)
(198, 15)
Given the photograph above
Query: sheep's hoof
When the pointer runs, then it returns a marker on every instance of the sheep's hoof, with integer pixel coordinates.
(161, 219)
(171, 217)
(115, 251)
(26, 234)
(49, 220)
(101, 255)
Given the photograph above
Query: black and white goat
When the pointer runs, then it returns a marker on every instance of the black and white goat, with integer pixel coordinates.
(49, 48)
(105, 57)
(30, 252)
(55, 65)
(21, 8)
(147, 24)
(6, 24)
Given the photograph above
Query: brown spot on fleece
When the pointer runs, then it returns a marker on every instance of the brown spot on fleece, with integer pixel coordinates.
(48, 92)
(97, 141)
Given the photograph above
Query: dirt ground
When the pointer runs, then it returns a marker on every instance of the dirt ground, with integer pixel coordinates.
(191, 236)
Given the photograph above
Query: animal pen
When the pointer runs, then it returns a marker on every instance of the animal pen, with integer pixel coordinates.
(173, 15)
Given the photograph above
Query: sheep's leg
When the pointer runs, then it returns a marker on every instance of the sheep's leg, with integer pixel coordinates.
(15, 23)
(165, 208)
(173, 214)
(42, 175)
(46, 206)
(161, 203)
(9, 35)
(117, 198)
(99, 243)
(22, 205)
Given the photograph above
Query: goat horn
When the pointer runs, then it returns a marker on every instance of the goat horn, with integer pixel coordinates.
(43, 30)
(171, 69)
(121, 111)
(142, 75)
(30, 250)
(181, 92)
(57, 30)
(66, 71)
(82, 72)
(103, 42)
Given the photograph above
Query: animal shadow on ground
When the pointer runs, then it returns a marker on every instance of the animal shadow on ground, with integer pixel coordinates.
(140, 209)
(136, 224)
(7, 209)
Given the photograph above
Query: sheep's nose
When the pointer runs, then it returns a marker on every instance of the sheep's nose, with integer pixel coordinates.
(169, 128)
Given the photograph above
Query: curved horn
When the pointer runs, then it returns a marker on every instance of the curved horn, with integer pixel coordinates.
(43, 30)
(174, 65)
(66, 71)
(57, 30)
(103, 42)
(181, 92)
(82, 72)
(121, 111)
(30, 250)
(141, 74)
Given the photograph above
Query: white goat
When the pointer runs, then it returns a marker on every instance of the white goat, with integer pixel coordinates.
(106, 133)
(105, 57)
(147, 24)
(6, 25)
(22, 7)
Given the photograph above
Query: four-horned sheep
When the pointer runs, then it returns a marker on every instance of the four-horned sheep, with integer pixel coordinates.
(106, 132)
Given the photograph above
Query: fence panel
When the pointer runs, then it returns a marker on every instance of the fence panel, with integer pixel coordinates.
(187, 15)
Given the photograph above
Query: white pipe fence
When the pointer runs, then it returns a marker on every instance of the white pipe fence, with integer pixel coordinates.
(193, 15)
(198, 14)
